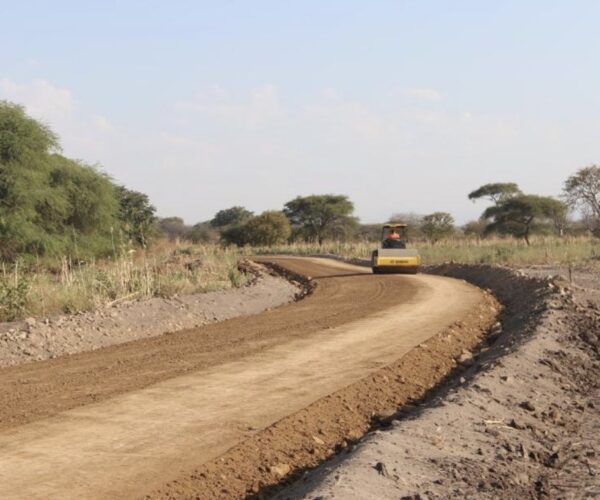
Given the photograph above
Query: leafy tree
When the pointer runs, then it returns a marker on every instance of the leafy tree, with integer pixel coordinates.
(267, 229)
(137, 215)
(90, 195)
(230, 217)
(318, 217)
(518, 215)
(437, 225)
(85, 206)
(23, 139)
(497, 192)
(235, 235)
(48, 203)
(173, 227)
(202, 232)
(25, 164)
(582, 190)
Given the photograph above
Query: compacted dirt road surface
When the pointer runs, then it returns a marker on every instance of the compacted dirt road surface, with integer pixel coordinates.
(120, 422)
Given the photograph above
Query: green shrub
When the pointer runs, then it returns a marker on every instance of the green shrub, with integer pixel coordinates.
(13, 297)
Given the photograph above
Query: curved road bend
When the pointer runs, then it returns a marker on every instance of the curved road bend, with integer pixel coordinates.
(115, 422)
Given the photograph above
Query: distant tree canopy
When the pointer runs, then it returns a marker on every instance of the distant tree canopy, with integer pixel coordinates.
(519, 215)
(437, 226)
(316, 218)
(582, 190)
(475, 228)
(50, 204)
(267, 229)
(202, 232)
(230, 217)
(497, 192)
(173, 227)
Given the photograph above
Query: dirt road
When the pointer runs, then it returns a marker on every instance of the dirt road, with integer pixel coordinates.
(121, 421)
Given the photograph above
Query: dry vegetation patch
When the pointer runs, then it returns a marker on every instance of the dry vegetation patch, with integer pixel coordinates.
(63, 285)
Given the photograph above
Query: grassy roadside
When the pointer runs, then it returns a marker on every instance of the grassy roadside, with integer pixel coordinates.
(542, 251)
(63, 286)
(53, 286)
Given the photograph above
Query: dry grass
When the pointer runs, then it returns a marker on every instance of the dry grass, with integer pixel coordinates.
(61, 285)
(169, 269)
(505, 251)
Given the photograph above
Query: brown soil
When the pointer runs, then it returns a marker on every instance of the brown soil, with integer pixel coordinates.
(37, 390)
(256, 467)
(123, 420)
(523, 420)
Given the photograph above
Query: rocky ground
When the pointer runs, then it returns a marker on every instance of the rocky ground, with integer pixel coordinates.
(33, 340)
(519, 419)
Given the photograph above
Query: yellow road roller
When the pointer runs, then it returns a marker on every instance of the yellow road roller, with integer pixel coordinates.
(392, 256)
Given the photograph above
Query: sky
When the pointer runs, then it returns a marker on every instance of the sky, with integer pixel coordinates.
(404, 106)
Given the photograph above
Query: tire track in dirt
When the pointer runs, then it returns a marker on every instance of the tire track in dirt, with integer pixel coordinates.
(126, 419)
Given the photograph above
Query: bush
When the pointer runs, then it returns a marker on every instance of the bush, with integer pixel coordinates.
(267, 229)
(13, 297)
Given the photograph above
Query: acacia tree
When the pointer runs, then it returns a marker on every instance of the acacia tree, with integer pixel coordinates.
(582, 190)
(437, 225)
(518, 215)
(318, 217)
(497, 192)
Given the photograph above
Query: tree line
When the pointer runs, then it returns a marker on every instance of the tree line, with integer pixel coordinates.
(313, 219)
(53, 205)
(317, 218)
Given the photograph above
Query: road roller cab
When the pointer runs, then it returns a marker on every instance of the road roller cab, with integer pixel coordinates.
(392, 255)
